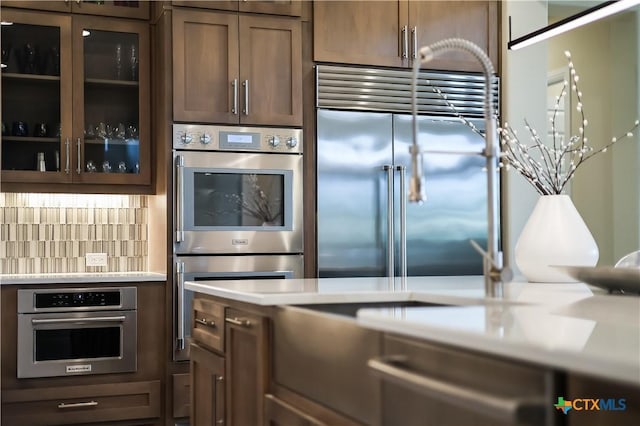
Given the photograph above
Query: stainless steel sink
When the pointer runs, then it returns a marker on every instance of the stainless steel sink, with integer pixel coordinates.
(351, 309)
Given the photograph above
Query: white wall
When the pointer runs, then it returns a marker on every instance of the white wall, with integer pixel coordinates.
(523, 96)
(606, 189)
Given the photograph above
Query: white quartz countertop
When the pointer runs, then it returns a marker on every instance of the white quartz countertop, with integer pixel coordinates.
(572, 327)
(81, 277)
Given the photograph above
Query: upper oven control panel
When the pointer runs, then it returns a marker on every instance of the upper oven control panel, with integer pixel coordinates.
(202, 137)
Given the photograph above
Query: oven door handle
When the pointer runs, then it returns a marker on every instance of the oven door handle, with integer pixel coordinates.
(120, 318)
(180, 305)
(179, 198)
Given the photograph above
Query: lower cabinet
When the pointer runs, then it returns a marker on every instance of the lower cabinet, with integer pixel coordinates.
(246, 354)
(207, 387)
(70, 405)
(229, 378)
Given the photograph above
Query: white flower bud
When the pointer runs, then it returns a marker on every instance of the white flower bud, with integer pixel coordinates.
(567, 54)
(637, 122)
(576, 78)
(604, 150)
(585, 123)
(614, 139)
(629, 134)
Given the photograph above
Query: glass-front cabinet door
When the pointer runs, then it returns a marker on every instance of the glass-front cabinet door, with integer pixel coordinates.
(75, 102)
(36, 97)
(110, 105)
(125, 9)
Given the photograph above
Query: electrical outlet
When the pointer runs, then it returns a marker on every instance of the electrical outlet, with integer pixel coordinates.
(96, 259)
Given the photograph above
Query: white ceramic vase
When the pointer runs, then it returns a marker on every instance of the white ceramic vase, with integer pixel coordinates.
(555, 234)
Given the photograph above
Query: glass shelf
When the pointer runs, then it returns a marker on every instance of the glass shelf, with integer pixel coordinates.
(109, 141)
(22, 76)
(29, 139)
(105, 82)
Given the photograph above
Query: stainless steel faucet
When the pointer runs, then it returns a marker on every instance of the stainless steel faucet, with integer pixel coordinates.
(495, 274)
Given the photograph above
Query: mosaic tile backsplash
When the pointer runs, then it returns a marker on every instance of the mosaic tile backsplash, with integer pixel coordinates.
(49, 233)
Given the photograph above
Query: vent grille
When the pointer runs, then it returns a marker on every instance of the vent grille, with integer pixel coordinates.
(374, 89)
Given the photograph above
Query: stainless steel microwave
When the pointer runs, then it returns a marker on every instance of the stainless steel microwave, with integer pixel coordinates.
(76, 331)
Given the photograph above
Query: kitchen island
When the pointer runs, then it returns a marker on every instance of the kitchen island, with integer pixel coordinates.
(536, 344)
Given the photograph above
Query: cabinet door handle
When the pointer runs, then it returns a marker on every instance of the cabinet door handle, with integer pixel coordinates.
(204, 322)
(239, 321)
(234, 84)
(67, 162)
(245, 84)
(414, 47)
(512, 410)
(63, 405)
(79, 168)
(404, 42)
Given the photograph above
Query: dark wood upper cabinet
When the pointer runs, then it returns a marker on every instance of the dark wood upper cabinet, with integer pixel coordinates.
(366, 33)
(389, 33)
(123, 9)
(476, 21)
(236, 69)
(80, 85)
(271, 7)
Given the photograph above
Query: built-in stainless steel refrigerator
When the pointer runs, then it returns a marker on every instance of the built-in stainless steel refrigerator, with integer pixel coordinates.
(360, 158)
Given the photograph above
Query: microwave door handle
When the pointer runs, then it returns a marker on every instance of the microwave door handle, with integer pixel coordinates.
(36, 321)
(180, 305)
(179, 198)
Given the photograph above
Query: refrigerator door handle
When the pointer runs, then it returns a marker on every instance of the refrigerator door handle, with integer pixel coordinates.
(403, 226)
(390, 221)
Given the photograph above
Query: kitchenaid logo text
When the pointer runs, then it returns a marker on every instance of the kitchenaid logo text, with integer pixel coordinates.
(591, 404)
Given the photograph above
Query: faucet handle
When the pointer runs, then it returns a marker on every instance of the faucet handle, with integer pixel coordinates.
(501, 273)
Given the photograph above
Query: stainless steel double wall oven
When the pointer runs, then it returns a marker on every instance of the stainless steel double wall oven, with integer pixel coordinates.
(237, 194)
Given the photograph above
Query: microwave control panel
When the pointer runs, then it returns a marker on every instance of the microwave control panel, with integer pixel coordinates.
(200, 137)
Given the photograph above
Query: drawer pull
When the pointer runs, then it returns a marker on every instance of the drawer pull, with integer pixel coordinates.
(63, 405)
(239, 321)
(204, 322)
(508, 409)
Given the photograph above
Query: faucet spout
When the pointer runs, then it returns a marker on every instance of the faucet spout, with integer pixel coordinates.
(493, 269)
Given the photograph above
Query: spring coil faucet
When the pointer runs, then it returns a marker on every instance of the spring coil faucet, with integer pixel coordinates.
(495, 274)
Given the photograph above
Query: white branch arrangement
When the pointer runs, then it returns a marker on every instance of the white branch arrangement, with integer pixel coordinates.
(547, 168)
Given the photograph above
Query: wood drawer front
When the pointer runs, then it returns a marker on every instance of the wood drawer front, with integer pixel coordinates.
(94, 403)
(210, 335)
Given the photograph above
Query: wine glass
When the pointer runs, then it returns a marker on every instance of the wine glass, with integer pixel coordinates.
(133, 62)
(118, 60)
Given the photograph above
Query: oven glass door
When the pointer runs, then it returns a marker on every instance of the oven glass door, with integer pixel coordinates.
(237, 203)
(239, 199)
